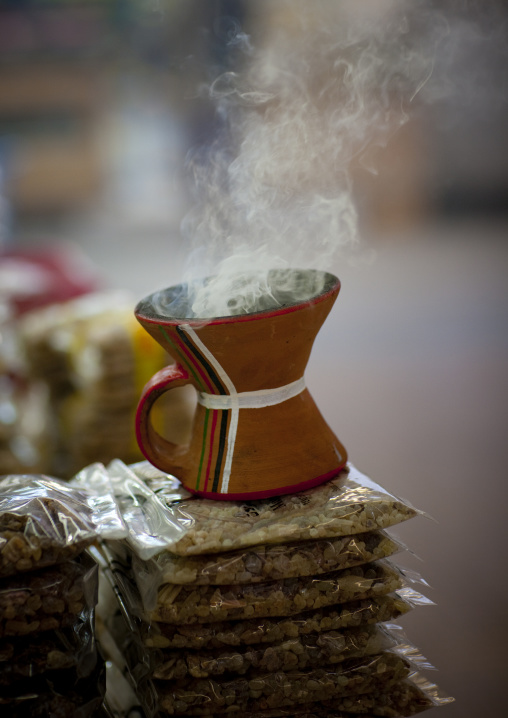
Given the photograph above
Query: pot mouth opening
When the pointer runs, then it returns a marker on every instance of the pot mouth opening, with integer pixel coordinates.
(237, 297)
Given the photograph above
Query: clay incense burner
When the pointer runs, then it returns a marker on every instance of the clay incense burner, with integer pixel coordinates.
(256, 432)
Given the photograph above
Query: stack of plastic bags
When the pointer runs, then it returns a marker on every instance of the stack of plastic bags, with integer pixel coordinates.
(94, 358)
(279, 607)
(50, 664)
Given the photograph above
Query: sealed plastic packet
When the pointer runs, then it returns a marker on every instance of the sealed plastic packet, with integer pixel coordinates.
(95, 482)
(206, 696)
(181, 604)
(250, 632)
(49, 659)
(49, 599)
(265, 563)
(45, 521)
(51, 664)
(162, 516)
(404, 698)
(203, 604)
(354, 675)
(303, 652)
(71, 647)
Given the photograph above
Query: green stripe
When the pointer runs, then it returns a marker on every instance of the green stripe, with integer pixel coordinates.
(207, 412)
(183, 359)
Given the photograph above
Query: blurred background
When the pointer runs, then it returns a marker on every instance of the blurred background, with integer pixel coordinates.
(100, 104)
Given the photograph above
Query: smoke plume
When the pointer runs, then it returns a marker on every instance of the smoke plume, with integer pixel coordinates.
(318, 87)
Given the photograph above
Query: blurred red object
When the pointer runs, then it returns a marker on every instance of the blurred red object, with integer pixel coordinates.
(34, 278)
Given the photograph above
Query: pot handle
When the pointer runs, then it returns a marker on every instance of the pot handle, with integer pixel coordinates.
(163, 454)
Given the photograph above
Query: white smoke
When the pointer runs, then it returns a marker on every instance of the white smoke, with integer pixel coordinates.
(325, 83)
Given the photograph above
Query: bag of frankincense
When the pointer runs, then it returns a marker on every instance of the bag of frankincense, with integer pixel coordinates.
(162, 516)
(45, 521)
(272, 606)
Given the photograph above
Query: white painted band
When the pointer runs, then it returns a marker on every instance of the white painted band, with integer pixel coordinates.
(233, 421)
(252, 399)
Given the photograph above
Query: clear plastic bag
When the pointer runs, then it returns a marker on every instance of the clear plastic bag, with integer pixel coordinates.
(94, 481)
(272, 631)
(162, 516)
(44, 521)
(124, 596)
(151, 524)
(48, 599)
(401, 699)
(183, 605)
(295, 654)
(206, 697)
(203, 604)
(413, 695)
(28, 656)
(303, 652)
(265, 563)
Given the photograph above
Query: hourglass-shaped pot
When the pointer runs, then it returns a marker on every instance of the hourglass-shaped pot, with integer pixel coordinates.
(256, 431)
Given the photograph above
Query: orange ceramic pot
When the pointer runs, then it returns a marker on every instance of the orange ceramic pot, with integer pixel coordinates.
(257, 432)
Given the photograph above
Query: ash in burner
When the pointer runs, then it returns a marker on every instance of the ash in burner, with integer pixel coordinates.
(236, 294)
